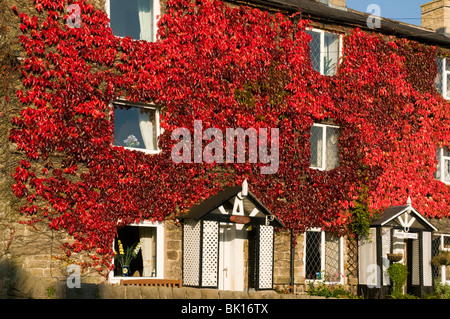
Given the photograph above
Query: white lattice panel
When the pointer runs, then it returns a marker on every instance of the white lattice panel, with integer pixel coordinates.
(191, 252)
(265, 257)
(210, 253)
(427, 274)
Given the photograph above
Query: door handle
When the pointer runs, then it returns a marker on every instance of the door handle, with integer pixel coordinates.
(226, 271)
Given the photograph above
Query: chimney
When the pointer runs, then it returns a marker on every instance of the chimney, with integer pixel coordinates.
(436, 16)
(339, 4)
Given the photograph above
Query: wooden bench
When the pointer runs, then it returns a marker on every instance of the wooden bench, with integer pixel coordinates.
(152, 282)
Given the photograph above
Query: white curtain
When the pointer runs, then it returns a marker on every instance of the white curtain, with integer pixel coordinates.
(147, 129)
(147, 236)
(145, 19)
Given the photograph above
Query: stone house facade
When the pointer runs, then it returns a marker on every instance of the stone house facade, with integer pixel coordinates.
(27, 265)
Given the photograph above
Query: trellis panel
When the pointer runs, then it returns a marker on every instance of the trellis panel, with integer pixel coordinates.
(265, 257)
(427, 269)
(191, 252)
(210, 253)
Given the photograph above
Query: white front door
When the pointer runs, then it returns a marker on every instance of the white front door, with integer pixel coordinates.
(231, 256)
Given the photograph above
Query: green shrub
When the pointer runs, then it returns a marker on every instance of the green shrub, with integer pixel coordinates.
(441, 291)
(330, 291)
(398, 273)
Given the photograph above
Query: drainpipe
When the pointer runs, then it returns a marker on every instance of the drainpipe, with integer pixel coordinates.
(292, 262)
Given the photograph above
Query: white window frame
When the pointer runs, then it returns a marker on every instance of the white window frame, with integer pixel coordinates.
(154, 107)
(156, 14)
(322, 48)
(324, 144)
(442, 160)
(444, 74)
(322, 257)
(160, 252)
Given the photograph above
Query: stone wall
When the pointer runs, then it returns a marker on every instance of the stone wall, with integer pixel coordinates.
(435, 16)
(173, 245)
(32, 287)
(282, 261)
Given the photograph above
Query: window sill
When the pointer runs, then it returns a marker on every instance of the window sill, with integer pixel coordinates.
(321, 281)
(117, 279)
(150, 152)
(133, 39)
(446, 183)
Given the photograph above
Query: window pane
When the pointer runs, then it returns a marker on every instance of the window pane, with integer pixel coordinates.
(331, 55)
(314, 45)
(332, 150)
(446, 170)
(446, 242)
(129, 238)
(438, 81)
(447, 273)
(148, 241)
(448, 85)
(446, 152)
(437, 175)
(132, 18)
(143, 262)
(313, 255)
(332, 258)
(316, 146)
(135, 127)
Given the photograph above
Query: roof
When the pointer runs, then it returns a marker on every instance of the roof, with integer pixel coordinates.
(442, 224)
(393, 212)
(205, 207)
(351, 18)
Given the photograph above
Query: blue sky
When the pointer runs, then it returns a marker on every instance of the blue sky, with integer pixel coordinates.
(402, 10)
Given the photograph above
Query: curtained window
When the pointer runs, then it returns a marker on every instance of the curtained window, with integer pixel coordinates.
(133, 18)
(324, 154)
(325, 51)
(442, 81)
(148, 259)
(136, 126)
(443, 167)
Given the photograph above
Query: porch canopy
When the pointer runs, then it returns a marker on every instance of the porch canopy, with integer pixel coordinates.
(219, 206)
(214, 233)
(399, 234)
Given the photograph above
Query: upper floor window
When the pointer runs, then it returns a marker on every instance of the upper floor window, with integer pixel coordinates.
(134, 18)
(442, 81)
(324, 147)
(136, 126)
(325, 51)
(443, 167)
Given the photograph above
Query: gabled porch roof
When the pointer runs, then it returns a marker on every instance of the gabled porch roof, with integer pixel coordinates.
(206, 207)
(391, 213)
